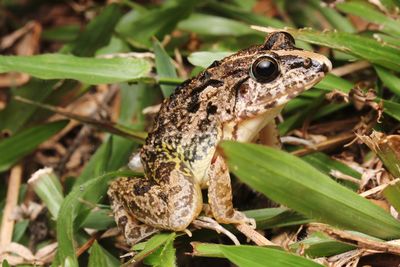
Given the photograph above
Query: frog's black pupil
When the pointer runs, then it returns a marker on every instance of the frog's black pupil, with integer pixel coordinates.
(265, 70)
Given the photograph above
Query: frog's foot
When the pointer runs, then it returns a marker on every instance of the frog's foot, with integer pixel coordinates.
(133, 230)
(254, 236)
(209, 223)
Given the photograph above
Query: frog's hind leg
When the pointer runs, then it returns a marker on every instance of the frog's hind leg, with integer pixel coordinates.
(133, 230)
(170, 205)
(220, 195)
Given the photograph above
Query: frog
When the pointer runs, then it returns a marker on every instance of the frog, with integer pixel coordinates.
(235, 98)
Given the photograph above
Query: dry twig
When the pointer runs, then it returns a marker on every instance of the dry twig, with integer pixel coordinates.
(7, 224)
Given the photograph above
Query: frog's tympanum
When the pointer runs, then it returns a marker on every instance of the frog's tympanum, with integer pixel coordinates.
(236, 98)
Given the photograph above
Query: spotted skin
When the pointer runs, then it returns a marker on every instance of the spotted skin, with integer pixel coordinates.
(179, 157)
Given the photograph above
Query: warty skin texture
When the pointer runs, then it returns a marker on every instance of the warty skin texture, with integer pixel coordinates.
(230, 100)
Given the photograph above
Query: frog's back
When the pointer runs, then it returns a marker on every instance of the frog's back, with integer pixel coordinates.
(185, 129)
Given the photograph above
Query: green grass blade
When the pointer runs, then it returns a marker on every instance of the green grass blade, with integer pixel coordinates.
(372, 14)
(19, 230)
(392, 194)
(164, 256)
(287, 179)
(16, 147)
(97, 33)
(204, 58)
(326, 165)
(94, 188)
(97, 256)
(251, 255)
(319, 245)
(99, 219)
(17, 114)
(213, 25)
(356, 45)
(247, 16)
(276, 217)
(392, 109)
(86, 70)
(153, 244)
(65, 33)
(164, 67)
(337, 21)
(139, 25)
(390, 80)
(47, 186)
(332, 82)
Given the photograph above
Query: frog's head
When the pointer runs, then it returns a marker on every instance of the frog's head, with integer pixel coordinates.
(277, 72)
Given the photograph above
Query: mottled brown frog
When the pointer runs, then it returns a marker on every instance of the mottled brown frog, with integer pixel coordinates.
(236, 98)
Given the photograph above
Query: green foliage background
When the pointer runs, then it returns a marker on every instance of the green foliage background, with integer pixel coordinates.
(221, 27)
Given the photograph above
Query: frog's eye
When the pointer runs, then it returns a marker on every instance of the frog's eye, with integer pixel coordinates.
(264, 69)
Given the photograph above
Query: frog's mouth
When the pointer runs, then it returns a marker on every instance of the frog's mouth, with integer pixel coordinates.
(293, 91)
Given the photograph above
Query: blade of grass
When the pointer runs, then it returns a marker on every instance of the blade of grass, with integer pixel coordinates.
(99, 220)
(139, 25)
(94, 188)
(244, 256)
(153, 244)
(17, 114)
(337, 21)
(276, 217)
(371, 14)
(332, 82)
(16, 147)
(356, 45)
(392, 109)
(326, 165)
(392, 193)
(19, 230)
(252, 256)
(247, 16)
(294, 179)
(204, 58)
(86, 70)
(97, 34)
(319, 245)
(389, 79)
(47, 186)
(97, 257)
(205, 24)
(65, 33)
(164, 256)
(100, 257)
(164, 67)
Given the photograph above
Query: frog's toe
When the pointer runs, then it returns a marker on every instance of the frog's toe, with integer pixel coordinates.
(251, 222)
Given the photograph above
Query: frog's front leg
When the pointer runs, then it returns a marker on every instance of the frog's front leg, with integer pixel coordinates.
(170, 202)
(220, 195)
(269, 135)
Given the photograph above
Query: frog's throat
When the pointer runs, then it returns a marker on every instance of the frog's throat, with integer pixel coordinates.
(246, 130)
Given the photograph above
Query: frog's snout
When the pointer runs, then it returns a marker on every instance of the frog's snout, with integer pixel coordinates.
(325, 64)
